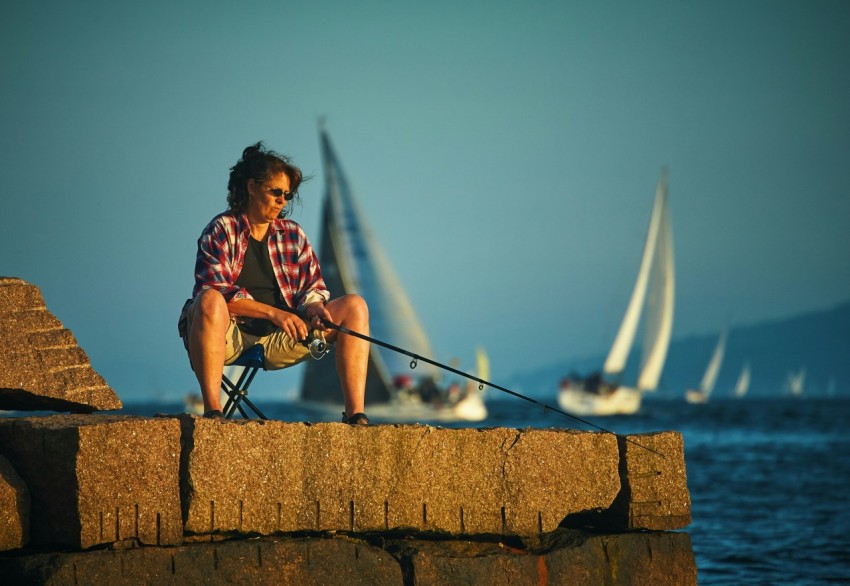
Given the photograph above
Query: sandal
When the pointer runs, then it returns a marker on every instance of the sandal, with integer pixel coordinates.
(214, 414)
(356, 419)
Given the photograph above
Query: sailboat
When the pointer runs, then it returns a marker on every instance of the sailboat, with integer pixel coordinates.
(353, 262)
(470, 405)
(743, 384)
(795, 382)
(709, 378)
(654, 291)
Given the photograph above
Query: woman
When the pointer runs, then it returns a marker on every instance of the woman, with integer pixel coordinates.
(253, 263)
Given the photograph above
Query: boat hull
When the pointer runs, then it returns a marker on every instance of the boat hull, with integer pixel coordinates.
(696, 397)
(619, 401)
(402, 409)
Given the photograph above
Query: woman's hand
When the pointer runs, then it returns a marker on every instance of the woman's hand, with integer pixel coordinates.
(315, 313)
(292, 325)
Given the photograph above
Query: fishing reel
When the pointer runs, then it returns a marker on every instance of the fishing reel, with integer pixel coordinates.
(316, 345)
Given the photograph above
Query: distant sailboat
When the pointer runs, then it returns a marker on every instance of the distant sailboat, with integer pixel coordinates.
(709, 378)
(602, 393)
(352, 261)
(743, 384)
(193, 403)
(796, 381)
(470, 407)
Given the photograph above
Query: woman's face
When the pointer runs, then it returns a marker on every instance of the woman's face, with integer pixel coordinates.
(266, 200)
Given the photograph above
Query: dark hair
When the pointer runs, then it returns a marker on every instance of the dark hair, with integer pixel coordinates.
(259, 164)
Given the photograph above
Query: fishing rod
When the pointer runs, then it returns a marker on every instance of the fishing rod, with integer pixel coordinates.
(481, 382)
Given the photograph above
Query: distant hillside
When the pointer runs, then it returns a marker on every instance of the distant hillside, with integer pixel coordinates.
(817, 341)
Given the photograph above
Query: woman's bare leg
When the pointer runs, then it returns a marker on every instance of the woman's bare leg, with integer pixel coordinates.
(208, 323)
(352, 353)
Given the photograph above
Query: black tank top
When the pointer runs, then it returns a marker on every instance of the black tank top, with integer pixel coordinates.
(258, 278)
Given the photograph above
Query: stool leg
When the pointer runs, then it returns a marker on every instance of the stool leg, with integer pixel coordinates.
(238, 393)
(253, 408)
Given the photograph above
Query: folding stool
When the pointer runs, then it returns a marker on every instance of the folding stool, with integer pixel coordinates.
(252, 360)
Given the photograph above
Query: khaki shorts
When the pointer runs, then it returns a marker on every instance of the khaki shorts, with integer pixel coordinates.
(280, 350)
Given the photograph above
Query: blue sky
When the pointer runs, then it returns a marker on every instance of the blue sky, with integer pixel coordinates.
(506, 156)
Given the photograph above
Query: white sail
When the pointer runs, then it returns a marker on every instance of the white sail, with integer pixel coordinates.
(615, 363)
(743, 384)
(482, 364)
(659, 319)
(709, 378)
(796, 382)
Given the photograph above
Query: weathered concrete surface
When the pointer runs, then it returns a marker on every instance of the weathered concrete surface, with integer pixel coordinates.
(654, 493)
(295, 562)
(653, 559)
(330, 477)
(98, 479)
(14, 508)
(41, 365)
(642, 558)
(655, 489)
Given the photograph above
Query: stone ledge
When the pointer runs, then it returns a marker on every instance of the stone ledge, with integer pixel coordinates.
(98, 479)
(655, 489)
(283, 477)
(41, 365)
(575, 558)
(14, 508)
(654, 492)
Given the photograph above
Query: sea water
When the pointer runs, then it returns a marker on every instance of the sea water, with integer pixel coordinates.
(768, 478)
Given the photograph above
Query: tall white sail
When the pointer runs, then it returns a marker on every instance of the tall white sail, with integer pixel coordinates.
(743, 384)
(615, 363)
(709, 378)
(659, 319)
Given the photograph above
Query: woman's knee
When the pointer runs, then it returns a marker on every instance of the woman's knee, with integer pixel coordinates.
(209, 304)
(356, 306)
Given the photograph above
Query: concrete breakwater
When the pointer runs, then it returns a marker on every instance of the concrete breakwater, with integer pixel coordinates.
(173, 498)
(92, 498)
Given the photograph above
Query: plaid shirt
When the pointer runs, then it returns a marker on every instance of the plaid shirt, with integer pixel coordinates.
(221, 255)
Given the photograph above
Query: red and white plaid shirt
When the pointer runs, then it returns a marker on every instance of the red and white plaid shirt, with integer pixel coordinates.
(221, 256)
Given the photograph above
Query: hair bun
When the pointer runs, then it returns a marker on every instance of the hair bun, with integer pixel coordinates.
(252, 151)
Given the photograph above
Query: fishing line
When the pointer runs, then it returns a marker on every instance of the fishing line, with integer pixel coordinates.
(416, 358)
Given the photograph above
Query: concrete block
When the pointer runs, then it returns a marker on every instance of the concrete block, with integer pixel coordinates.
(41, 365)
(577, 559)
(574, 558)
(653, 558)
(655, 487)
(293, 562)
(468, 562)
(98, 479)
(266, 477)
(14, 508)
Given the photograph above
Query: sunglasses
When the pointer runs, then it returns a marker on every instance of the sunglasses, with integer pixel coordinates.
(278, 192)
